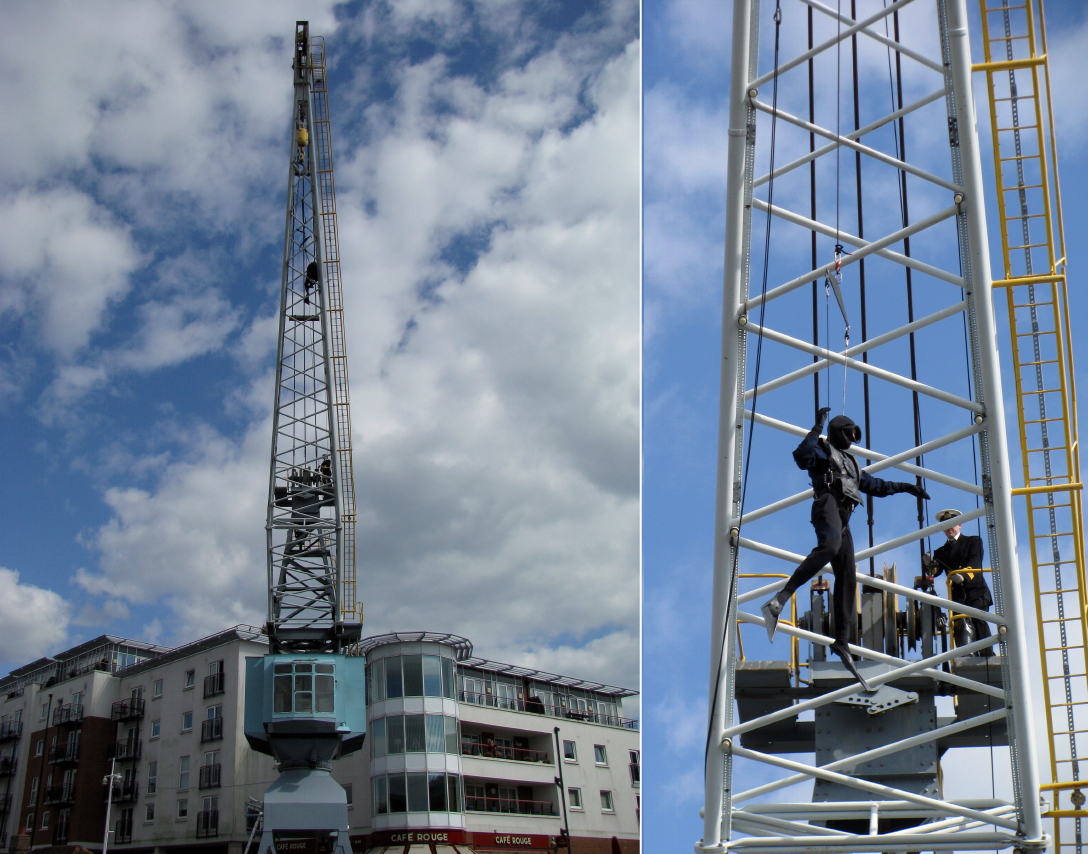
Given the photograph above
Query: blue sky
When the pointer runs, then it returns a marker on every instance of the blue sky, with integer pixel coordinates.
(487, 175)
(685, 81)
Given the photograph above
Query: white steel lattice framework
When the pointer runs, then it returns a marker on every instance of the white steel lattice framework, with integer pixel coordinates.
(309, 476)
(950, 230)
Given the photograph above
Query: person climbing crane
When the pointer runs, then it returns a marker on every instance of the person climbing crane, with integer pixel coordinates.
(961, 558)
(837, 483)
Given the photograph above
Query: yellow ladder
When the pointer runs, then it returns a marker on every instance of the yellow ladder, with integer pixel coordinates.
(350, 608)
(1033, 253)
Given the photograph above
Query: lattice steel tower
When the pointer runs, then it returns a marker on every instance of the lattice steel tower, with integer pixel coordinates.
(311, 498)
(919, 274)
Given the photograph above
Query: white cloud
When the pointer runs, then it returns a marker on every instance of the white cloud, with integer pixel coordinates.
(35, 620)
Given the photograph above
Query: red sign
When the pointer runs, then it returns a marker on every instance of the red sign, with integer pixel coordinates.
(512, 840)
(304, 841)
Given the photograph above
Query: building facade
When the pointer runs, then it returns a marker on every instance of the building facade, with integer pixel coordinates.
(487, 756)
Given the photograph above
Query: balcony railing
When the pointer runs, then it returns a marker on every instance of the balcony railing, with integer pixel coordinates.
(5, 804)
(64, 753)
(207, 823)
(209, 776)
(72, 713)
(510, 805)
(10, 730)
(126, 749)
(60, 794)
(125, 792)
(8, 765)
(211, 729)
(535, 707)
(213, 685)
(494, 751)
(127, 710)
(122, 831)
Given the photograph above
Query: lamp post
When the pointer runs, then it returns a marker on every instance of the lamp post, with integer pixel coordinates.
(109, 780)
(562, 791)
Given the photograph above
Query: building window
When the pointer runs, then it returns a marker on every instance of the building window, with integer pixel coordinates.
(44, 712)
(381, 799)
(574, 798)
(183, 807)
(156, 728)
(600, 755)
(45, 820)
(156, 689)
(33, 791)
(183, 773)
(40, 746)
(303, 687)
(190, 679)
(636, 768)
(606, 802)
(29, 823)
(152, 777)
(570, 751)
(417, 792)
(187, 722)
(348, 793)
(149, 811)
(77, 698)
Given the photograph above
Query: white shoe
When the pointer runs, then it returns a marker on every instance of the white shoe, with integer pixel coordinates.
(770, 613)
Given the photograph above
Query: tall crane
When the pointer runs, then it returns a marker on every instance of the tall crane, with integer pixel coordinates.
(1037, 301)
(305, 700)
(874, 745)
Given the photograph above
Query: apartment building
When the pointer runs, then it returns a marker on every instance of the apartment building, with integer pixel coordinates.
(493, 756)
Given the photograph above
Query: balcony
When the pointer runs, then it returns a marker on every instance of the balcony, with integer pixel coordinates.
(207, 824)
(535, 707)
(209, 776)
(126, 792)
(10, 730)
(122, 831)
(127, 710)
(126, 749)
(214, 685)
(64, 754)
(68, 715)
(211, 729)
(60, 831)
(5, 804)
(64, 795)
(492, 751)
(8, 764)
(513, 806)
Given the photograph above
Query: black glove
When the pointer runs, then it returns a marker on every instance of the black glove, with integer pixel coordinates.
(912, 489)
(821, 416)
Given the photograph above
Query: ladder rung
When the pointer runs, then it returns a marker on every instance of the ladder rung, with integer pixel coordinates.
(1040, 332)
(1041, 391)
(1030, 304)
(1019, 156)
(1016, 187)
(1024, 216)
(1018, 127)
(1060, 648)
(1060, 592)
(1042, 420)
(1027, 245)
(1043, 362)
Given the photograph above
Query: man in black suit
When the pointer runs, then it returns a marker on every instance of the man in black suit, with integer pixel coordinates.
(961, 558)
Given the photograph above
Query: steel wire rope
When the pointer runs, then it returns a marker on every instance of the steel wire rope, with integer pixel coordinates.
(727, 623)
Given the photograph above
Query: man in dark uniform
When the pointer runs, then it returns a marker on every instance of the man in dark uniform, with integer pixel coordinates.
(838, 483)
(961, 558)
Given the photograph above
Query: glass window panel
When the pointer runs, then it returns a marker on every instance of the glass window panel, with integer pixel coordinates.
(452, 781)
(378, 746)
(379, 681)
(323, 698)
(414, 737)
(304, 668)
(395, 734)
(324, 668)
(417, 791)
(432, 676)
(449, 683)
(282, 668)
(413, 675)
(281, 692)
(436, 734)
(437, 786)
(451, 736)
(381, 804)
(393, 685)
(398, 797)
(304, 702)
(304, 682)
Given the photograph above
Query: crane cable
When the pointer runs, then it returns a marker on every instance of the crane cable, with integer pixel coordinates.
(728, 622)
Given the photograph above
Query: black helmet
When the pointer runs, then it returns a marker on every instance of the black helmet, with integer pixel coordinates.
(841, 432)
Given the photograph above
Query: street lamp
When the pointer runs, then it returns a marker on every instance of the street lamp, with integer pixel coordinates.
(109, 780)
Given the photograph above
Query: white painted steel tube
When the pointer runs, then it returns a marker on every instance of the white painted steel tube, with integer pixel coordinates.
(1018, 664)
(730, 432)
(866, 844)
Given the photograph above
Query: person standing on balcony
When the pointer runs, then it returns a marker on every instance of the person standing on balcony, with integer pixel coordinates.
(838, 483)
